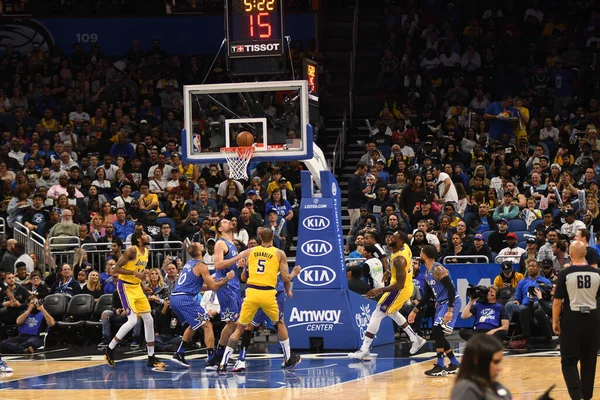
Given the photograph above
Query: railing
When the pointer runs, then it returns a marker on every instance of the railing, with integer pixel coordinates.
(37, 245)
(353, 60)
(500, 258)
(21, 234)
(34, 243)
(474, 258)
(354, 261)
(2, 228)
(62, 249)
(340, 146)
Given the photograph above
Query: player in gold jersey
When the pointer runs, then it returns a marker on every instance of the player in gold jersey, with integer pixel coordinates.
(393, 297)
(265, 263)
(131, 268)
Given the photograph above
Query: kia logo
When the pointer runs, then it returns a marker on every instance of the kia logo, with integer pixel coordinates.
(316, 248)
(317, 275)
(316, 223)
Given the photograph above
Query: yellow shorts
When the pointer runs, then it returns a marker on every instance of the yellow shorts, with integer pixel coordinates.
(133, 298)
(264, 299)
(391, 302)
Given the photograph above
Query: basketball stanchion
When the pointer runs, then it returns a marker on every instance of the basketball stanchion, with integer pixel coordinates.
(324, 313)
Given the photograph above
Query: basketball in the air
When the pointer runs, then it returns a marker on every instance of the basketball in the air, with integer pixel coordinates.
(244, 138)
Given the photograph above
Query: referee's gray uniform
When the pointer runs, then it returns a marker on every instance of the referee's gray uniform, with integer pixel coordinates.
(578, 286)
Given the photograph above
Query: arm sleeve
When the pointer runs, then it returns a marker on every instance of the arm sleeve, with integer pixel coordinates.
(427, 294)
(447, 282)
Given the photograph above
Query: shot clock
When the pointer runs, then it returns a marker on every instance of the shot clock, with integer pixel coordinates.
(254, 28)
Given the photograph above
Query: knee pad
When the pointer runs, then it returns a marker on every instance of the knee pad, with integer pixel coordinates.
(438, 336)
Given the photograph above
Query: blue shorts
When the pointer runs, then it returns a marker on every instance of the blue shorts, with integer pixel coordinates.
(188, 310)
(442, 309)
(260, 317)
(230, 301)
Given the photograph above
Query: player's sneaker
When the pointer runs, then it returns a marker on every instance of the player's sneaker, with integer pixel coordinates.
(437, 370)
(179, 358)
(213, 364)
(109, 356)
(222, 370)
(417, 344)
(240, 366)
(155, 362)
(4, 367)
(360, 354)
(452, 369)
(293, 361)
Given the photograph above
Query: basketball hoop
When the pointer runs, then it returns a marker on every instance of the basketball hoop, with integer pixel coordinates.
(238, 159)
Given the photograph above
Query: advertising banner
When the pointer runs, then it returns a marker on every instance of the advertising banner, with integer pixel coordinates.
(337, 318)
(320, 239)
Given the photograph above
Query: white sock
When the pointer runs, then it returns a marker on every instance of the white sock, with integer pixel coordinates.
(113, 343)
(411, 334)
(228, 352)
(150, 350)
(285, 345)
(366, 345)
(400, 320)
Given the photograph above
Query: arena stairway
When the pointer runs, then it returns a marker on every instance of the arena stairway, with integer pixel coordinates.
(353, 153)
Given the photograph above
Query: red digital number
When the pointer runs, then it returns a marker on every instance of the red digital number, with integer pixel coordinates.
(264, 28)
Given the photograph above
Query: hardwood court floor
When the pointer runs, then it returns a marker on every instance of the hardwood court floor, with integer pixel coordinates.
(323, 377)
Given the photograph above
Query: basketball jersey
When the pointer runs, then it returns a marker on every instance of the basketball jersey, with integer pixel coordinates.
(188, 282)
(407, 254)
(222, 273)
(437, 287)
(138, 264)
(263, 266)
(189, 172)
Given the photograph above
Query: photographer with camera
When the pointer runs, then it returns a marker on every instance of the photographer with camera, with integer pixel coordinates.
(527, 305)
(30, 323)
(490, 316)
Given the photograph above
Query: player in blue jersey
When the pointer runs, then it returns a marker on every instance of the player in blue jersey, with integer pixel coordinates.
(194, 275)
(229, 296)
(439, 285)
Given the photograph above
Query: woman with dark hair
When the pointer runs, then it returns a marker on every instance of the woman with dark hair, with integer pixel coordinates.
(93, 195)
(456, 248)
(282, 207)
(517, 170)
(411, 195)
(479, 370)
(17, 204)
(104, 186)
(452, 155)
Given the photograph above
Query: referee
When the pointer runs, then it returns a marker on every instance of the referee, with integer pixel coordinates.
(575, 301)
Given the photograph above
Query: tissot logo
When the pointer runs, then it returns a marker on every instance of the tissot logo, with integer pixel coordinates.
(317, 275)
(316, 223)
(316, 248)
(256, 48)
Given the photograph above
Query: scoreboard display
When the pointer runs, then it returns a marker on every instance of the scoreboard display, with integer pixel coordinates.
(254, 28)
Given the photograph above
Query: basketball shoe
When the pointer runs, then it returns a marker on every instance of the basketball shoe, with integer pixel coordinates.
(360, 354)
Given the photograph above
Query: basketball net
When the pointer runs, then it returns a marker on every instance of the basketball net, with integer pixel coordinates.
(238, 159)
